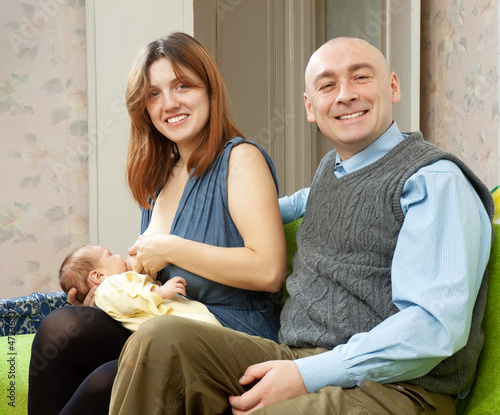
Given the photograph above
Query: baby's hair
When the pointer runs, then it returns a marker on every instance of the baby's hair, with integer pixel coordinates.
(75, 269)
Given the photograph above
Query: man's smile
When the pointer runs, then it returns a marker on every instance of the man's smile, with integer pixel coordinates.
(350, 116)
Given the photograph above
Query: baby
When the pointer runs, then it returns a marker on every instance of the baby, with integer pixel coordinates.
(125, 295)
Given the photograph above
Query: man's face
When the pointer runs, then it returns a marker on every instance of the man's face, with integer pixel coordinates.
(349, 94)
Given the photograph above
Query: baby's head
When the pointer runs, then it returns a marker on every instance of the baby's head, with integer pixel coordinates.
(87, 266)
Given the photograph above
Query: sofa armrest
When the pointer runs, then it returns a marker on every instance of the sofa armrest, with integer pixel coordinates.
(23, 315)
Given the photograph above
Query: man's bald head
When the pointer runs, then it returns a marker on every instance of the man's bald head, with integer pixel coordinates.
(349, 93)
(344, 46)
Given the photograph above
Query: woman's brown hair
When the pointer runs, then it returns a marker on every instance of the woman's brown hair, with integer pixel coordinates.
(151, 155)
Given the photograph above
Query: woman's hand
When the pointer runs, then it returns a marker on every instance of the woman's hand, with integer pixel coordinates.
(89, 300)
(152, 253)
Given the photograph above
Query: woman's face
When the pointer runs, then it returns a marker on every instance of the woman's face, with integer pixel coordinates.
(179, 111)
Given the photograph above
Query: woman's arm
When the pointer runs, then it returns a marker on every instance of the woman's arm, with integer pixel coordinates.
(88, 301)
(253, 204)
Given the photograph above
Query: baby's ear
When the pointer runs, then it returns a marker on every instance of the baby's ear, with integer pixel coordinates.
(96, 276)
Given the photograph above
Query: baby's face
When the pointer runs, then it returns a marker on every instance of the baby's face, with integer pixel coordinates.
(111, 264)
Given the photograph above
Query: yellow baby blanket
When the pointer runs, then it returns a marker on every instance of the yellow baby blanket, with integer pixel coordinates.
(128, 298)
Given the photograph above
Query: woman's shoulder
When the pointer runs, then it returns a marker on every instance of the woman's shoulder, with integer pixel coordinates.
(251, 158)
(241, 147)
(240, 153)
(246, 153)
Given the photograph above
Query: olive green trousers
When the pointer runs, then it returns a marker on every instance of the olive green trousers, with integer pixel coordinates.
(173, 365)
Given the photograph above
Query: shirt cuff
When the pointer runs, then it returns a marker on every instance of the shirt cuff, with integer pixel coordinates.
(286, 209)
(324, 369)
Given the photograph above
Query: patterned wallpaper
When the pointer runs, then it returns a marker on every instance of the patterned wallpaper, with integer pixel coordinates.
(459, 81)
(43, 153)
(43, 115)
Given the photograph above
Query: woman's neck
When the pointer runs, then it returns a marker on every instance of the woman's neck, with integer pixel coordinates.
(184, 153)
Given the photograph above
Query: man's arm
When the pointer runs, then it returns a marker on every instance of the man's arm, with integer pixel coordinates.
(293, 207)
(441, 254)
(440, 258)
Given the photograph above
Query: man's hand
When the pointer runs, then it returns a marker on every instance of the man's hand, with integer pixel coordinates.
(279, 380)
(89, 300)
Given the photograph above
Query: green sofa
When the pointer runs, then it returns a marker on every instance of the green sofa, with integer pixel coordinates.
(484, 398)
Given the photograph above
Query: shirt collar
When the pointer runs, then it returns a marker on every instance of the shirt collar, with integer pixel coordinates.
(375, 151)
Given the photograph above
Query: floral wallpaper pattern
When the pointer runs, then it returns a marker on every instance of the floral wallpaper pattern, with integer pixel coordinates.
(43, 115)
(459, 81)
(43, 152)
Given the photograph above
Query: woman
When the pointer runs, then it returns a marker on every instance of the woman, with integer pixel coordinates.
(210, 214)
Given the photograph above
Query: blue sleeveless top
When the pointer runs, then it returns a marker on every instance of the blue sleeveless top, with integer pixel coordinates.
(203, 216)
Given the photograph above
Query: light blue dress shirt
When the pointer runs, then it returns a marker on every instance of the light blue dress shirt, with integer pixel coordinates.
(293, 207)
(437, 268)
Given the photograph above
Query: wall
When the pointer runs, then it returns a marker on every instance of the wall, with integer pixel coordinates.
(113, 47)
(63, 71)
(394, 27)
(459, 82)
(43, 158)
(46, 146)
(261, 48)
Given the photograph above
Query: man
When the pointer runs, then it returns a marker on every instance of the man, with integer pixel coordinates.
(387, 294)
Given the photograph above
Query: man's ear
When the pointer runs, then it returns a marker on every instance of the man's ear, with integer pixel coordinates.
(310, 114)
(96, 277)
(395, 88)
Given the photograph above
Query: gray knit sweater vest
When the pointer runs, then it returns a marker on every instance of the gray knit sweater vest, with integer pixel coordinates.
(341, 280)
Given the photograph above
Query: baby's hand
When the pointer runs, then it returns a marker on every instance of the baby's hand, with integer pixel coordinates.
(175, 285)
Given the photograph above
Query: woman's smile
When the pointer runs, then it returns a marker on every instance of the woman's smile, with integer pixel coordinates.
(176, 119)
